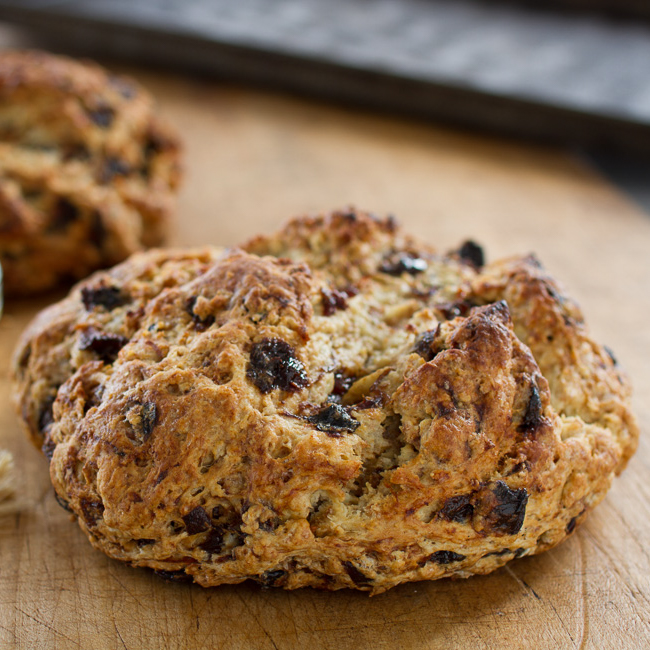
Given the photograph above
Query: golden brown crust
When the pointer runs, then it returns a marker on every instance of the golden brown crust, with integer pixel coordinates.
(87, 171)
(112, 301)
(362, 414)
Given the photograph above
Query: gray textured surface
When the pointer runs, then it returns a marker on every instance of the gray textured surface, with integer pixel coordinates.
(581, 62)
(536, 71)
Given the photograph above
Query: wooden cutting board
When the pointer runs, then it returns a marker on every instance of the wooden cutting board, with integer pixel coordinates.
(254, 160)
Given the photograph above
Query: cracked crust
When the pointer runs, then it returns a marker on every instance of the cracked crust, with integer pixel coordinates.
(334, 406)
(87, 172)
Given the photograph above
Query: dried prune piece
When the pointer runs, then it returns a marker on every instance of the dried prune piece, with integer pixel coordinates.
(443, 557)
(446, 557)
(106, 346)
(610, 354)
(390, 223)
(427, 344)
(149, 418)
(523, 466)
(342, 383)
(423, 293)
(423, 345)
(334, 420)
(63, 215)
(507, 515)
(473, 253)
(503, 551)
(48, 447)
(269, 578)
(113, 167)
(25, 356)
(451, 310)
(96, 230)
(92, 510)
(107, 297)
(533, 415)
(458, 508)
(174, 576)
(333, 301)
(102, 116)
(143, 418)
(62, 502)
(76, 151)
(213, 543)
(123, 86)
(45, 415)
(359, 578)
(162, 475)
(273, 364)
(196, 521)
(156, 143)
(348, 215)
(200, 323)
(399, 263)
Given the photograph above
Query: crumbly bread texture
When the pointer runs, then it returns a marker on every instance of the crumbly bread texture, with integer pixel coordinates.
(333, 406)
(88, 173)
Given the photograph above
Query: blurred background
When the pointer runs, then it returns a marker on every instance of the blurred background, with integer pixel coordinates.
(574, 73)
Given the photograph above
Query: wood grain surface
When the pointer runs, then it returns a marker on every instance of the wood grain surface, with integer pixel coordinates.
(252, 161)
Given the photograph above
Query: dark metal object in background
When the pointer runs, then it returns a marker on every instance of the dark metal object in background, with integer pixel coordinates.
(513, 69)
(626, 8)
(630, 173)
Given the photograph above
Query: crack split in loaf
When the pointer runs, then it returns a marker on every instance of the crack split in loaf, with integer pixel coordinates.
(335, 405)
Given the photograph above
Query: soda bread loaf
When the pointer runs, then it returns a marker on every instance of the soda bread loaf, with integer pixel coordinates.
(88, 172)
(336, 405)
